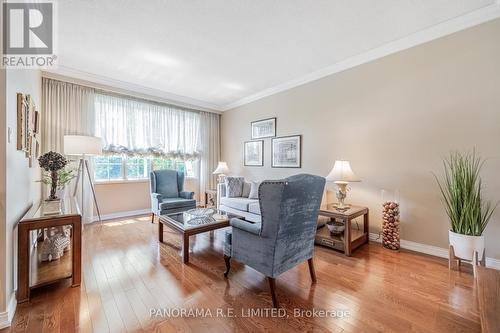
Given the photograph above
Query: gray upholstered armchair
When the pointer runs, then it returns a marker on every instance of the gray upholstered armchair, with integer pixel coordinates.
(285, 237)
(167, 193)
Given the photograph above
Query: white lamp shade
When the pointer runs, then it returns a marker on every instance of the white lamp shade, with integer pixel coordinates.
(221, 169)
(82, 145)
(342, 172)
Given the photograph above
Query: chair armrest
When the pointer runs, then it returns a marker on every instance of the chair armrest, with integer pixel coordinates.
(253, 228)
(156, 196)
(186, 195)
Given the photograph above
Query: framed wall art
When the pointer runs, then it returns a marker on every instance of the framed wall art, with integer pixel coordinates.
(286, 152)
(265, 128)
(254, 153)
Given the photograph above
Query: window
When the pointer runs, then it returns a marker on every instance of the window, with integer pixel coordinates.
(112, 168)
(137, 168)
(108, 168)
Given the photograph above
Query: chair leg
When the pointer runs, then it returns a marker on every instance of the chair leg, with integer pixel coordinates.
(152, 217)
(272, 286)
(311, 270)
(228, 265)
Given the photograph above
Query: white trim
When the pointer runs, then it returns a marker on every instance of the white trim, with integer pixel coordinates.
(121, 181)
(76, 76)
(440, 30)
(432, 250)
(122, 214)
(7, 316)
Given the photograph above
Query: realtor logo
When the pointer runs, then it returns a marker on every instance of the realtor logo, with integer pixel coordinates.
(28, 30)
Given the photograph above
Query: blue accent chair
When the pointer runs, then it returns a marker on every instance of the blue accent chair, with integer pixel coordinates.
(167, 193)
(285, 237)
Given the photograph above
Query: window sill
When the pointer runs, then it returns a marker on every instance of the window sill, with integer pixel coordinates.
(121, 181)
(129, 181)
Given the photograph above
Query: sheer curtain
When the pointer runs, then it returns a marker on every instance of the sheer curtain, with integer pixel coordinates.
(210, 151)
(68, 109)
(135, 127)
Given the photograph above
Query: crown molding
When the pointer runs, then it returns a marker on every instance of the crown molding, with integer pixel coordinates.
(118, 86)
(445, 28)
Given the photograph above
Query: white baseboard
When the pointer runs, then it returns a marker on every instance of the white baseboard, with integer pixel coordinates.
(432, 250)
(7, 316)
(125, 214)
(122, 214)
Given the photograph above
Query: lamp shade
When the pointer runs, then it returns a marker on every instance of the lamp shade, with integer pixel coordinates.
(221, 169)
(342, 172)
(82, 145)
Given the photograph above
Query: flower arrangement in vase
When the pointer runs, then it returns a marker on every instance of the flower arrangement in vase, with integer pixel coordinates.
(55, 175)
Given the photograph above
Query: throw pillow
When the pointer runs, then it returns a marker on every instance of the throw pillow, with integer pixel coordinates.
(246, 189)
(234, 186)
(254, 190)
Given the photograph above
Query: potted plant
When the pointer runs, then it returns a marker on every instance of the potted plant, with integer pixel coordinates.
(467, 210)
(54, 173)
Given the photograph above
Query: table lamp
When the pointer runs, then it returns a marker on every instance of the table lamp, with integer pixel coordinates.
(342, 175)
(221, 171)
(83, 146)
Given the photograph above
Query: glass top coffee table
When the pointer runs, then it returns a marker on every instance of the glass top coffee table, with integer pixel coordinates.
(192, 222)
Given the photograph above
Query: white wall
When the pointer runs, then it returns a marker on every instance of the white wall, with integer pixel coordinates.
(21, 188)
(394, 119)
(3, 246)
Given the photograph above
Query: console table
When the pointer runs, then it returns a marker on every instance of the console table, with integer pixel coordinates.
(32, 271)
(352, 237)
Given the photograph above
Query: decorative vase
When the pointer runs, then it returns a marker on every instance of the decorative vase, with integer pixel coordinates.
(390, 220)
(464, 246)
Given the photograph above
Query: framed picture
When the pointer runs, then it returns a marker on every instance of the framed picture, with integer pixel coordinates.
(286, 152)
(22, 116)
(36, 121)
(265, 128)
(254, 153)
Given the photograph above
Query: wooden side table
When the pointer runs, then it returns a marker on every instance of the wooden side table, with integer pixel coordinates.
(210, 198)
(352, 238)
(32, 271)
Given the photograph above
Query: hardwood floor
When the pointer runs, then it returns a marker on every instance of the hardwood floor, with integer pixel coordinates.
(126, 273)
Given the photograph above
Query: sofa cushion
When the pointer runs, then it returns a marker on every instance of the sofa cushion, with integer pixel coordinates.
(171, 203)
(237, 203)
(254, 208)
(166, 183)
(254, 190)
(246, 189)
(234, 186)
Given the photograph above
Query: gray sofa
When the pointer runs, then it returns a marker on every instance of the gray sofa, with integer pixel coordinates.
(243, 206)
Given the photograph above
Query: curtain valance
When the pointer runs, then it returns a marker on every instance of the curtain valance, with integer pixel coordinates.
(140, 128)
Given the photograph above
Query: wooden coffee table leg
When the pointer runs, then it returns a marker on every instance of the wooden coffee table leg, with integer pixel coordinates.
(160, 232)
(185, 249)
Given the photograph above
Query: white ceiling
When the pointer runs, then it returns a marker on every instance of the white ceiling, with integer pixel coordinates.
(218, 53)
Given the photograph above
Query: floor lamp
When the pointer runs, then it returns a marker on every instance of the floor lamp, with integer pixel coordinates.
(83, 146)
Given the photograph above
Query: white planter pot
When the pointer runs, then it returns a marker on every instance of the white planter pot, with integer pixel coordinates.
(464, 245)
